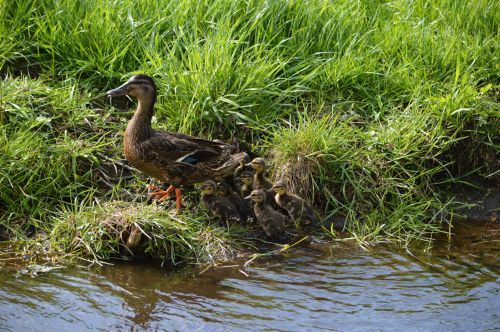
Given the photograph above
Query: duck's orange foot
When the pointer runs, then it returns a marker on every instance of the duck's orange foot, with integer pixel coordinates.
(155, 193)
(178, 200)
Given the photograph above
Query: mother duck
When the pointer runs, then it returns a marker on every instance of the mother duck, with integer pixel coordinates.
(170, 157)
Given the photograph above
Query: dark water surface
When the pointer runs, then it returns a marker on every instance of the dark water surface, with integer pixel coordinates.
(454, 288)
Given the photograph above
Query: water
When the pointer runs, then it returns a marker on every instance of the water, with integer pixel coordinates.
(455, 288)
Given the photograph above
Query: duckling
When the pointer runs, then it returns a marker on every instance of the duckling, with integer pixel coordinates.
(170, 157)
(246, 179)
(225, 190)
(297, 207)
(259, 179)
(244, 166)
(218, 206)
(272, 222)
(244, 183)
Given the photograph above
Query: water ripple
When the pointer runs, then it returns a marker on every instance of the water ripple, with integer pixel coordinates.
(347, 290)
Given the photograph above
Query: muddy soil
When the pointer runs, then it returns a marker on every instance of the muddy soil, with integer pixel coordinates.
(484, 198)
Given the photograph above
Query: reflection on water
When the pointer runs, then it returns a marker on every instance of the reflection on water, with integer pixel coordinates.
(319, 287)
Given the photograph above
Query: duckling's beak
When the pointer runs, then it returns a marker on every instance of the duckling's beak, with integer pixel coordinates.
(119, 91)
(248, 197)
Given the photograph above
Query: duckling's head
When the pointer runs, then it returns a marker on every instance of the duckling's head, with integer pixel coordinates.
(245, 160)
(246, 177)
(258, 196)
(208, 187)
(279, 187)
(222, 189)
(259, 164)
(140, 86)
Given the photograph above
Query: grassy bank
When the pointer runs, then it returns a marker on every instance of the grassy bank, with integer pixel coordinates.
(368, 108)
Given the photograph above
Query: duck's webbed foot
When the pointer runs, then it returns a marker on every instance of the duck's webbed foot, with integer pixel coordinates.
(160, 195)
(155, 193)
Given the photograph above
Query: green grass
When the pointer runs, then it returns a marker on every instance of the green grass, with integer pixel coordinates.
(100, 233)
(48, 154)
(378, 175)
(381, 103)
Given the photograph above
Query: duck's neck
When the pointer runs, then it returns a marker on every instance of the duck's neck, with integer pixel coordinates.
(261, 182)
(260, 176)
(139, 127)
(258, 207)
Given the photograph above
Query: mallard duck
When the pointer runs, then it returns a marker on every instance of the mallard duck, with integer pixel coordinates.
(246, 180)
(173, 158)
(244, 166)
(224, 189)
(218, 206)
(260, 181)
(244, 184)
(297, 207)
(273, 222)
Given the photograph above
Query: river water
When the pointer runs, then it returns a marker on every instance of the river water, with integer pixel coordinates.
(321, 287)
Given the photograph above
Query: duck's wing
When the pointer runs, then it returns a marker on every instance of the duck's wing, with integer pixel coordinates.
(179, 170)
(201, 144)
(197, 140)
(168, 147)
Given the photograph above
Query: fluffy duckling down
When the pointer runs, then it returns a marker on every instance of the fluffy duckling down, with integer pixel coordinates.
(241, 205)
(219, 207)
(260, 181)
(272, 222)
(299, 209)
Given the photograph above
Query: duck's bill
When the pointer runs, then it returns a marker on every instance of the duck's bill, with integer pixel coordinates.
(119, 91)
